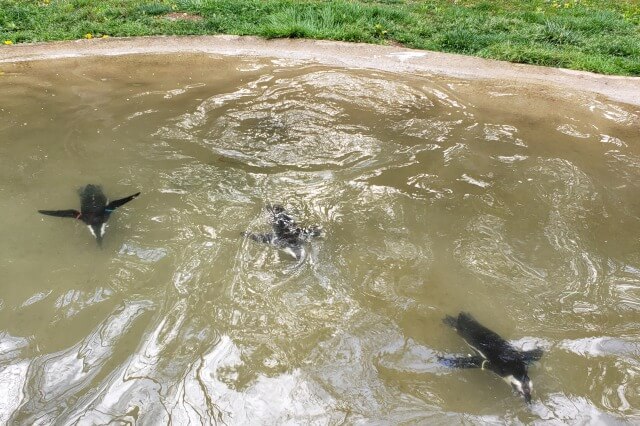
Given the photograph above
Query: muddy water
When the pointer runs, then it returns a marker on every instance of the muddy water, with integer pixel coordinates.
(519, 205)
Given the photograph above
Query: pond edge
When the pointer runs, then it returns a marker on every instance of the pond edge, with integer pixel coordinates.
(342, 54)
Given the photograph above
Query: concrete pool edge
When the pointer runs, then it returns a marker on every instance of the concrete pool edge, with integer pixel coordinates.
(351, 55)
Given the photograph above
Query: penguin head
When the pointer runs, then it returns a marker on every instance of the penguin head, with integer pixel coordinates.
(315, 231)
(98, 230)
(275, 208)
(522, 384)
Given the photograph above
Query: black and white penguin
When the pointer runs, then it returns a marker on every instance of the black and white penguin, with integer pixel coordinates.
(95, 210)
(492, 353)
(287, 235)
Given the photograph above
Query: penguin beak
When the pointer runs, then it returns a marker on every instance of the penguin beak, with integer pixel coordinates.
(317, 231)
(522, 387)
(527, 386)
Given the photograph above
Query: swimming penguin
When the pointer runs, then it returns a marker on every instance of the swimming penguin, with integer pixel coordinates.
(286, 235)
(492, 353)
(95, 210)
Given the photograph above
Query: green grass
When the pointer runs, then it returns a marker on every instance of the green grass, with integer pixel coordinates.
(593, 35)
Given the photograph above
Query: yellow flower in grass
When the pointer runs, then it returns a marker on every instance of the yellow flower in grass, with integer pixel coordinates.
(88, 36)
(105, 36)
(8, 42)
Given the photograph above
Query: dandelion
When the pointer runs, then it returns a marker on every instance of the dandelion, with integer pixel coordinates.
(88, 36)
(8, 42)
(104, 36)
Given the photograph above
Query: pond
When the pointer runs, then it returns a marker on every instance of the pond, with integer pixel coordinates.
(435, 195)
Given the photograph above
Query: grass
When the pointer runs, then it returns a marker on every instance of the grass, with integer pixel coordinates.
(592, 35)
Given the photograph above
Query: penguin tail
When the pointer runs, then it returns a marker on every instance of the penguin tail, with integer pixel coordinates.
(117, 203)
(466, 317)
(450, 321)
(75, 214)
(89, 189)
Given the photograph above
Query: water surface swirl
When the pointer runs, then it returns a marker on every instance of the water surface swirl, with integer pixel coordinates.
(436, 195)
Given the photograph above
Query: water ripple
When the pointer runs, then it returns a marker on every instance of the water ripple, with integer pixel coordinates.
(435, 196)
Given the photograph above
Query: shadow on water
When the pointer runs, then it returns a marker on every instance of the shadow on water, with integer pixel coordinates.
(436, 195)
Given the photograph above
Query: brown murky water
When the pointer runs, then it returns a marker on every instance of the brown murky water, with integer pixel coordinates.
(519, 205)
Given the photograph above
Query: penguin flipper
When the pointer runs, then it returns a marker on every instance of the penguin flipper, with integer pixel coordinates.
(117, 203)
(533, 355)
(462, 362)
(62, 213)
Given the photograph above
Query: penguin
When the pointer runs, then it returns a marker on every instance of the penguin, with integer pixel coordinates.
(95, 210)
(493, 353)
(287, 235)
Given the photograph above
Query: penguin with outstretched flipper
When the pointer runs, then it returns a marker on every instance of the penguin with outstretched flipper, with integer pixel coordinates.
(492, 353)
(287, 235)
(95, 210)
